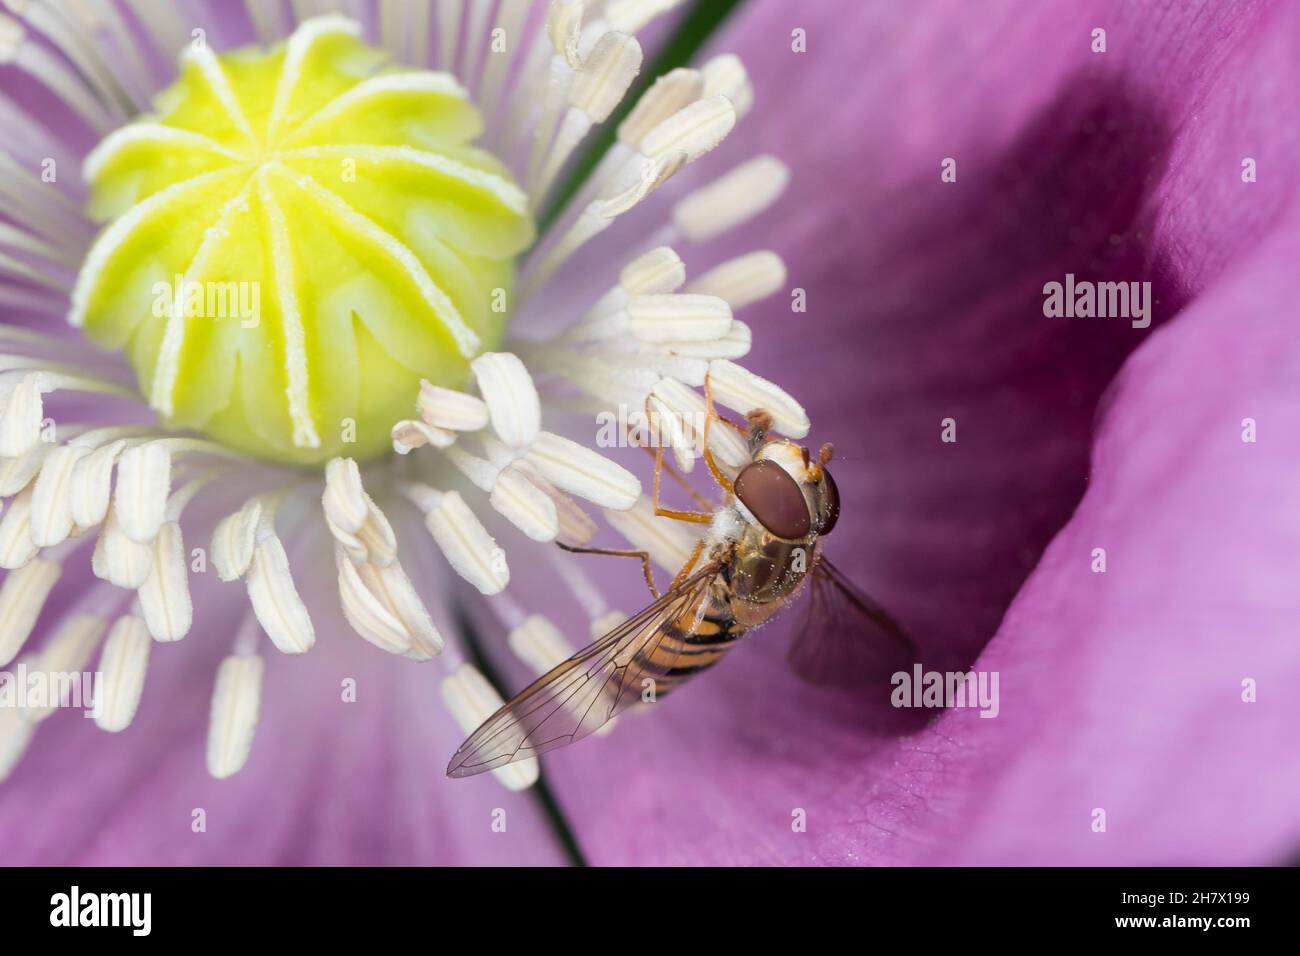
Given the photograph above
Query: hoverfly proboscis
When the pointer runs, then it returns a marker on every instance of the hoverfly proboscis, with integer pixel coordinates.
(761, 550)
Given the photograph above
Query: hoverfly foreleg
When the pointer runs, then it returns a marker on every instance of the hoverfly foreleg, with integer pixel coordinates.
(694, 517)
(620, 553)
(689, 566)
(710, 415)
(664, 465)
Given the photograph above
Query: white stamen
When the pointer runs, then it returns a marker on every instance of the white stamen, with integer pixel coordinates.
(68, 652)
(345, 499)
(355, 520)
(368, 614)
(480, 471)
(236, 701)
(657, 272)
(143, 483)
(449, 16)
(165, 594)
(16, 547)
(559, 75)
(678, 318)
(119, 560)
(734, 344)
(15, 473)
(513, 405)
(466, 544)
(51, 514)
(576, 527)
(669, 428)
(725, 75)
(56, 73)
(447, 409)
(275, 600)
(622, 194)
(694, 130)
(564, 27)
(539, 644)
(377, 536)
(92, 484)
(597, 88)
(523, 504)
(77, 45)
(671, 92)
(20, 419)
(234, 539)
(743, 280)
(123, 663)
(393, 589)
(510, 19)
(731, 199)
(471, 700)
(742, 390)
(475, 38)
(625, 193)
(22, 595)
(580, 471)
(408, 435)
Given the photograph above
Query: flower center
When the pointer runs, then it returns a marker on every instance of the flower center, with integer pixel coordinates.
(295, 238)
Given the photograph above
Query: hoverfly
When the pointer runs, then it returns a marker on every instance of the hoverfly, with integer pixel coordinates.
(762, 549)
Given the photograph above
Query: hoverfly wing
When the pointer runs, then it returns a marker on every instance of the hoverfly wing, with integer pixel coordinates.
(577, 697)
(845, 638)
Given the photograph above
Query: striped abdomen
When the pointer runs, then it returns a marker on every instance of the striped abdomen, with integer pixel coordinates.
(690, 647)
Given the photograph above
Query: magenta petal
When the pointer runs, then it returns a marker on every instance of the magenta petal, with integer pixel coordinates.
(1119, 691)
(1126, 690)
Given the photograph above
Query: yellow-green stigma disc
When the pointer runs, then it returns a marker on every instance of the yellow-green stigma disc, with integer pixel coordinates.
(294, 239)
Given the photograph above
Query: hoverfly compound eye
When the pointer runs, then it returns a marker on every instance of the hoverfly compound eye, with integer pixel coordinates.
(775, 499)
(830, 512)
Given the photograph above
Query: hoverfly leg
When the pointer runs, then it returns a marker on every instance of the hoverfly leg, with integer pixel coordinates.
(711, 415)
(619, 553)
(685, 572)
(667, 466)
(694, 517)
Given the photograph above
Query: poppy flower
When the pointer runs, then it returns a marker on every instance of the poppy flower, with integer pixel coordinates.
(328, 342)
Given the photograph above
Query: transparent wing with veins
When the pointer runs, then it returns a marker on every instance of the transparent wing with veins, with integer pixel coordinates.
(846, 639)
(577, 697)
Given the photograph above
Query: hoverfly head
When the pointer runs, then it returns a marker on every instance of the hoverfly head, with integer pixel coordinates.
(791, 494)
